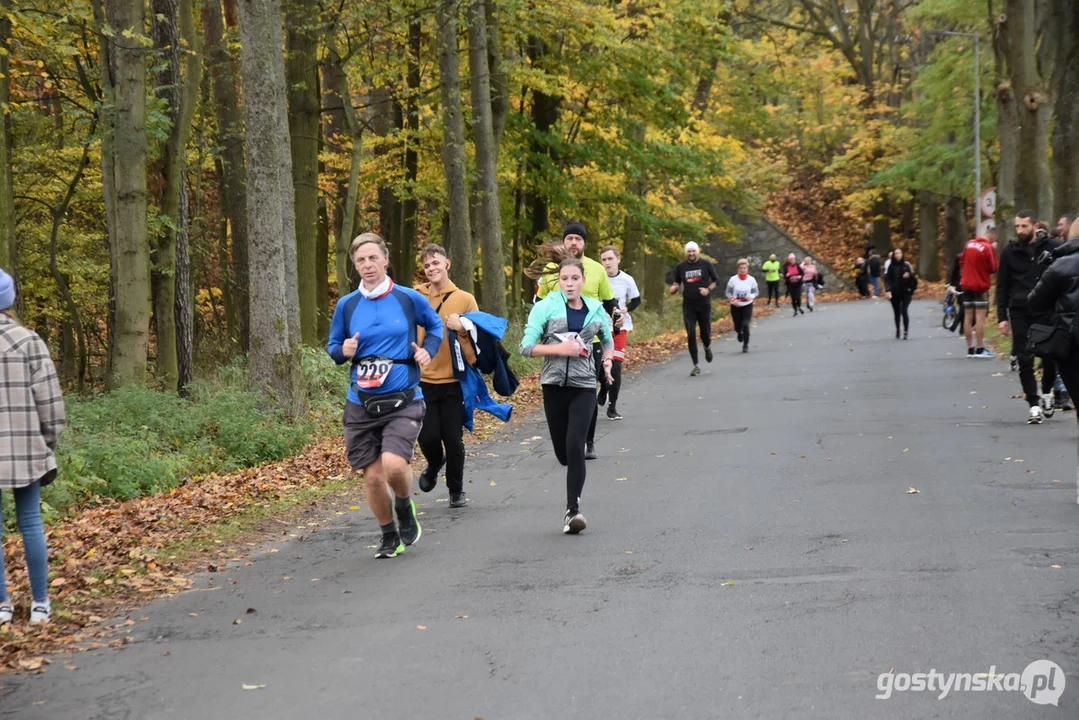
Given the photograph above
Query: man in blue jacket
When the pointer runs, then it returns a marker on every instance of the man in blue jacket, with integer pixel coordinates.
(374, 328)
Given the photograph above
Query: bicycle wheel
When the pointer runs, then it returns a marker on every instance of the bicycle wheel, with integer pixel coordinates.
(947, 318)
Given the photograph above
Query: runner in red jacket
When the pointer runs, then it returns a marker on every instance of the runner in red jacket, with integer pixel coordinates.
(978, 262)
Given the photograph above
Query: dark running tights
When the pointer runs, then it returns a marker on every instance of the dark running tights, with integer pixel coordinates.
(773, 290)
(795, 291)
(742, 315)
(900, 307)
(568, 412)
(695, 315)
(443, 427)
(616, 375)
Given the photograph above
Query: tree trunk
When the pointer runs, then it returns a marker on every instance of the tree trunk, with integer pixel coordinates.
(500, 89)
(178, 82)
(167, 171)
(654, 289)
(337, 132)
(406, 240)
(288, 207)
(929, 237)
(106, 114)
(633, 249)
(453, 147)
(322, 273)
(352, 123)
(8, 247)
(882, 225)
(185, 308)
(490, 212)
(223, 67)
(1065, 90)
(955, 226)
(1007, 127)
(275, 358)
(1033, 185)
(304, 106)
(382, 122)
(225, 269)
(132, 279)
(545, 111)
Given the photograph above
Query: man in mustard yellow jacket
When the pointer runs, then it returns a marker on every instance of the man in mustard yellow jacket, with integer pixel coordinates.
(442, 436)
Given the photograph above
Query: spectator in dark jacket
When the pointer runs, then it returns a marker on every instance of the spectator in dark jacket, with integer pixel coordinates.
(1018, 274)
(1058, 291)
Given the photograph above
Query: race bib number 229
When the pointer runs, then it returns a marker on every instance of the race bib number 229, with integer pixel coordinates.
(372, 372)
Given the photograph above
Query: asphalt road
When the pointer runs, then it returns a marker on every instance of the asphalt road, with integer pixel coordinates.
(752, 552)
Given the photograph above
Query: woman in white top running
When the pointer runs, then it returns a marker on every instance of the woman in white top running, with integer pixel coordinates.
(741, 291)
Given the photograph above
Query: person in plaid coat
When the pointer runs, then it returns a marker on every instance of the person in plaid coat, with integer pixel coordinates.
(31, 418)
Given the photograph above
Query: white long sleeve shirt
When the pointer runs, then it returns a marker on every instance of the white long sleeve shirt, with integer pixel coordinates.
(744, 291)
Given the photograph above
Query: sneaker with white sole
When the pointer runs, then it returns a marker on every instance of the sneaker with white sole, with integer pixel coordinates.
(574, 523)
(1048, 404)
(40, 613)
(1036, 416)
(7, 612)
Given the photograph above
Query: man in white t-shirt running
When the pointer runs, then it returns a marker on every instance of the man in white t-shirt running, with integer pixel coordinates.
(628, 299)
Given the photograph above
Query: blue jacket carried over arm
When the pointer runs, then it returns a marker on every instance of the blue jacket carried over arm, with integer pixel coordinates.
(490, 358)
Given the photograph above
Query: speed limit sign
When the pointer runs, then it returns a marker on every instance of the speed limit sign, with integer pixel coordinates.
(988, 202)
(985, 226)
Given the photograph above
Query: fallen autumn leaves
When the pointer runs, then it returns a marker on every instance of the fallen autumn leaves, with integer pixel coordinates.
(110, 557)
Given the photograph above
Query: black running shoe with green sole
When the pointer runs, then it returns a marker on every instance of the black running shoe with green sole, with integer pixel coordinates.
(408, 525)
(391, 546)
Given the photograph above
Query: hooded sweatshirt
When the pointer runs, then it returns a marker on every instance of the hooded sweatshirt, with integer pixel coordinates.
(977, 263)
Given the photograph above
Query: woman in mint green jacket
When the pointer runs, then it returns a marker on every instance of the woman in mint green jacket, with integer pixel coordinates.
(560, 330)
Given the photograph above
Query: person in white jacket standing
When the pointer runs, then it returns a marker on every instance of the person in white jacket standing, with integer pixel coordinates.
(741, 291)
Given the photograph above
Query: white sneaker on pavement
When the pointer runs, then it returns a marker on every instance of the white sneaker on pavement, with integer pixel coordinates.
(40, 613)
(1036, 416)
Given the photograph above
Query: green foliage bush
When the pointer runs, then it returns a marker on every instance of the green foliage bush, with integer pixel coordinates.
(136, 441)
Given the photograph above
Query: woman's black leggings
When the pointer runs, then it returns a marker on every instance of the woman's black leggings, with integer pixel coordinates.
(742, 315)
(773, 290)
(795, 290)
(900, 306)
(569, 411)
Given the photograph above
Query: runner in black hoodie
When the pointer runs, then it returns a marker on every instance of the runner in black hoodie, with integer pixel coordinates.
(1019, 273)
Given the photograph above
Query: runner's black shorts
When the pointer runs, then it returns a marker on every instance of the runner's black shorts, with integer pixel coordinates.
(973, 299)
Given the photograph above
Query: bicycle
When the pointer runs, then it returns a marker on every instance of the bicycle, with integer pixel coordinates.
(952, 317)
